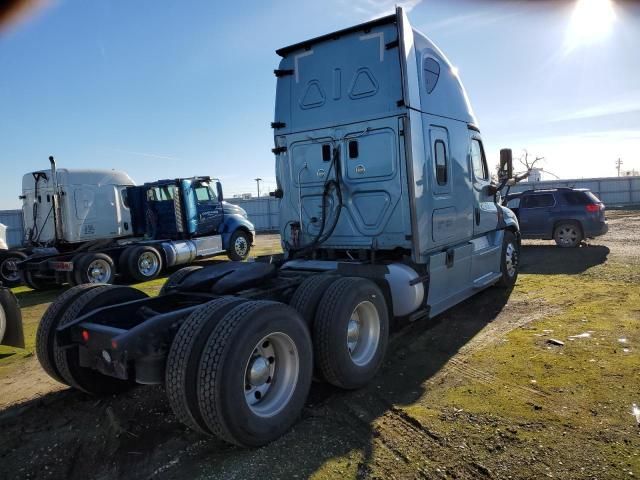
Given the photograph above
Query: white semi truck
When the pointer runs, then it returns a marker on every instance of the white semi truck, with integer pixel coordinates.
(88, 226)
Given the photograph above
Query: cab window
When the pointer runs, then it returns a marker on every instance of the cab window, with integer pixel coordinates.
(204, 193)
(478, 161)
(125, 197)
(160, 194)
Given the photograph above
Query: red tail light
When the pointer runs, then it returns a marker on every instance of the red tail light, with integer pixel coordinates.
(593, 208)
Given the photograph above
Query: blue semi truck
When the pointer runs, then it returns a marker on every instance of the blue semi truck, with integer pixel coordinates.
(387, 215)
(91, 226)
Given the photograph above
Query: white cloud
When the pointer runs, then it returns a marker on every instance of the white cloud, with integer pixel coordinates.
(148, 154)
(627, 105)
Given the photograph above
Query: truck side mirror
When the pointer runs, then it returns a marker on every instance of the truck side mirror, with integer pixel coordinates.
(506, 164)
(219, 191)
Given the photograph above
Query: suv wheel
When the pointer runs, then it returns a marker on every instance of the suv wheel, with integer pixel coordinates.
(568, 235)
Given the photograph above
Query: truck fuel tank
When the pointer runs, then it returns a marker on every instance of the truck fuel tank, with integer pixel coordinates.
(406, 287)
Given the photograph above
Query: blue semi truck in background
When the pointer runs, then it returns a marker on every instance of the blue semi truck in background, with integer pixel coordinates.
(387, 215)
(91, 226)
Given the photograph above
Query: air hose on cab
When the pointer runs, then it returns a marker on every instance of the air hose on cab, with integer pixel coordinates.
(321, 236)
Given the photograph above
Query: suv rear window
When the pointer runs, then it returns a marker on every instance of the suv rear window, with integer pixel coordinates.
(538, 201)
(579, 198)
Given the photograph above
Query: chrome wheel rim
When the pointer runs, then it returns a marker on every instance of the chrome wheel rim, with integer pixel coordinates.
(240, 246)
(9, 270)
(148, 264)
(568, 235)
(99, 271)
(271, 374)
(363, 333)
(511, 259)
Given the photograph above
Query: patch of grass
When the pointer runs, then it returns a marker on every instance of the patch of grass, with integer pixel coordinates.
(570, 398)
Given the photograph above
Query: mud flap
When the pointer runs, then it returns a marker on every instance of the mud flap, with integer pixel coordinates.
(10, 320)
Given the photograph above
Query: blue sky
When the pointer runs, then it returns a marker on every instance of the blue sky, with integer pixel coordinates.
(169, 89)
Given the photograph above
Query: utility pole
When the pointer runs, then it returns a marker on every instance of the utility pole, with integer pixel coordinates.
(258, 180)
(618, 165)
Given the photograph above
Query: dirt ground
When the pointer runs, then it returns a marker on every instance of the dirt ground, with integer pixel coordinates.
(477, 392)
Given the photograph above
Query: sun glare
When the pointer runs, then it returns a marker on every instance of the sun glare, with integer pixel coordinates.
(591, 22)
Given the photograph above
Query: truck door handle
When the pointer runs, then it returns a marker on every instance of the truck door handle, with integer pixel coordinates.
(477, 212)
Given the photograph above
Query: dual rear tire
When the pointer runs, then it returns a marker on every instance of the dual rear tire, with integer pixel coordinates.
(63, 364)
(139, 263)
(240, 370)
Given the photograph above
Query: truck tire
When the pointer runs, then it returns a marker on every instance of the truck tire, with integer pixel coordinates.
(35, 283)
(123, 265)
(144, 263)
(509, 261)
(9, 277)
(568, 234)
(255, 373)
(176, 278)
(67, 360)
(351, 332)
(239, 246)
(45, 335)
(10, 319)
(96, 268)
(181, 373)
(307, 296)
(71, 279)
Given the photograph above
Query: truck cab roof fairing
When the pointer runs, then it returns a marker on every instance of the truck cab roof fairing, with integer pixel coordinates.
(442, 95)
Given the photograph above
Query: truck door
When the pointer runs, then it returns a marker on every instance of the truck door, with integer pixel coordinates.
(450, 220)
(485, 212)
(208, 207)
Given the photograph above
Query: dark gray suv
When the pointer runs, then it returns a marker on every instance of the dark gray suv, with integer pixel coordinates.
(566, 215)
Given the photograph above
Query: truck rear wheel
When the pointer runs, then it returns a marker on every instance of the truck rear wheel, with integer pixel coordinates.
(67, 360)
(36, 283)
(45, 335)
(239, 246)
(144, 263)
(255, 373)
(96, 268)
(11, 332)
(9, 274)
(351, 332)
(307, 296)
(181, 374)
(176, 278)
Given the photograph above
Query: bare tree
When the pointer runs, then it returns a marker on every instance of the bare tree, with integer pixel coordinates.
(526, 162)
